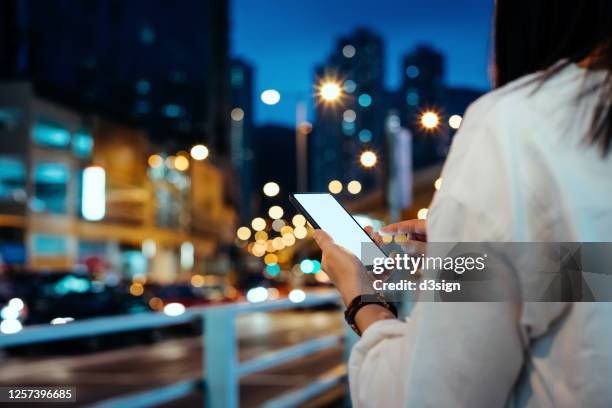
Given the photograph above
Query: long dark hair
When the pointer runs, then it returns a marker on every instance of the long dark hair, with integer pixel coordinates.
(534, 35)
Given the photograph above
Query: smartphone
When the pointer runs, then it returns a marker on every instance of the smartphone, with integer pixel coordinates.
(324, 212)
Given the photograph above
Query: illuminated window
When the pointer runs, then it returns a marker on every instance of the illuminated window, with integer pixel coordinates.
(173, 111)
(237, 77)
(412, 97)
(143, 87)
(50, 187)
(82, 144)
(147, 35)
(412, 71)
(12, 178)
(49, 135)
(49, 245)
(10, 118)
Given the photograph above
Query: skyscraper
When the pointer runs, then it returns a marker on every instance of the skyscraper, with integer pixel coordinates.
(242, 134)
(422, 89)
(356, 122)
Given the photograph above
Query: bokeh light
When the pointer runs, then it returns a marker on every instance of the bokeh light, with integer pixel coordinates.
(273, 270)
(136, 289)
(243, 233)
(354, 187)
(455, 121)
(349, 115)
(335, 187)
(270, 259)
(258, 224)
(287, 229)
(300, 232)
(438, 183)
(181, 163)
(348, 51)
(237, 114)
(270, 97)
(259, 249)
(277, 225)
(364, 100)
(350, 86)
(275, 212)
(368, 158)
(279, 243)
(155, 161)
(297, 296)
(197, 281)
(174, 309)
(261, 236)
(298, 220)
(412, 71)
(288, 239)
(422, 213)
(330, 91)
(307, 266)
(257, 294)
(430, 120)
(271, 189)
(199, 152)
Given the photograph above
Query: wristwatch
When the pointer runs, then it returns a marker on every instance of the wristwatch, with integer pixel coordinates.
(363, 300)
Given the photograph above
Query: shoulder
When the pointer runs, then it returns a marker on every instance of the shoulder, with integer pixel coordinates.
(503, 102)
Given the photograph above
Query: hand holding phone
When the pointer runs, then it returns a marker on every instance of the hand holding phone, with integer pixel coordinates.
(323, 211)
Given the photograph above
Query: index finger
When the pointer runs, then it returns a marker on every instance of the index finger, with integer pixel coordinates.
(404, 227)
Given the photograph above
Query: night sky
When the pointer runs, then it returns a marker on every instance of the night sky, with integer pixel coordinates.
(285, 39)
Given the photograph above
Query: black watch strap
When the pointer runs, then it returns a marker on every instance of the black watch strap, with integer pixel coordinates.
(363, 300)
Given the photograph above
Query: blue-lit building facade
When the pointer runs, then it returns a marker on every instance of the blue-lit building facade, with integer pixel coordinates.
(130, 61)
(129, 95)
(242, 135)
(355, 123)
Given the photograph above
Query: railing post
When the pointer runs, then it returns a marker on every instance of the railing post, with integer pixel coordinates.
(221, 358)
(350, 338)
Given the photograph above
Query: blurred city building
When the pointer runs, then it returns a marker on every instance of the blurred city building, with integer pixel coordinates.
(242, 136)
(120, 89)
(128, 60)
(388, 122)
(422, 89)
(136, 218)
(275, 161)
(354, 124)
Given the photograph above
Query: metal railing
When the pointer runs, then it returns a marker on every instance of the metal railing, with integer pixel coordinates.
(220, 342)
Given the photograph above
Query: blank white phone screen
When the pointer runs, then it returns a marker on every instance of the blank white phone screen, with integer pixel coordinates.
(332, 218)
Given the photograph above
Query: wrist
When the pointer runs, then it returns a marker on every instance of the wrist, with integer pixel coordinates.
(370, 314)
(370, 309)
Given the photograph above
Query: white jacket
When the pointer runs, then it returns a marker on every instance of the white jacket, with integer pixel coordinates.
(518, 170)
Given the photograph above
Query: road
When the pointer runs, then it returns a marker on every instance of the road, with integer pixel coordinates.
(102, 375)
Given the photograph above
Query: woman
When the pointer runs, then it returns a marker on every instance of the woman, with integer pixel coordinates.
(531, 163)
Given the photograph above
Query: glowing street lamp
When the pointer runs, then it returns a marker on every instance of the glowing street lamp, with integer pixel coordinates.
(455, 121)
(271, 189)
(199, 152)
(368, 159)
(430, 120)
(330, 91)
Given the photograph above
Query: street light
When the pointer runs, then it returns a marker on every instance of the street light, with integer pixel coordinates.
(430, 120)
(455, 121)
(368, 159)
(330, 90)
(199, 152)
(271, 189)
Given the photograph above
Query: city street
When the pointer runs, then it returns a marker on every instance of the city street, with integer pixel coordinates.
(112, 373)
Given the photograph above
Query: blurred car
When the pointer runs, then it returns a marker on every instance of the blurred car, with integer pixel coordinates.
(189, 295)
(51, 295)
